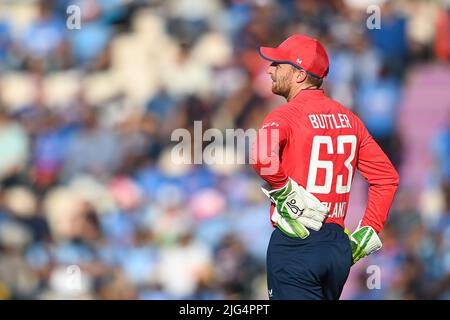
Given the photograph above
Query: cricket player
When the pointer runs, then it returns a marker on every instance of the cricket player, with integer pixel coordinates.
(307, 151)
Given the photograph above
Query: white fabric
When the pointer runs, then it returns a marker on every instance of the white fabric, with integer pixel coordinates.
(313, 211)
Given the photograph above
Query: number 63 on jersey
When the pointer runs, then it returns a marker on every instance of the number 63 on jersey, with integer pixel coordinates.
(336, 149)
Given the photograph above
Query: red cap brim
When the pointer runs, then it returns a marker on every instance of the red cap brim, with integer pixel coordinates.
(274, 55)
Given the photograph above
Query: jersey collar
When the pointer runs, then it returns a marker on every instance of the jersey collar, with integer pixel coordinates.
(308, 93)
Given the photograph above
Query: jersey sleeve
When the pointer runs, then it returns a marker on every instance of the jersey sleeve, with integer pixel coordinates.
(267, 149)
(383, 181)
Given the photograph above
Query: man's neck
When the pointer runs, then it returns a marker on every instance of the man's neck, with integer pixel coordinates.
(294, 92)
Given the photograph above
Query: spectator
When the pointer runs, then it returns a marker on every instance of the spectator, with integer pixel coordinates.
(14, 149)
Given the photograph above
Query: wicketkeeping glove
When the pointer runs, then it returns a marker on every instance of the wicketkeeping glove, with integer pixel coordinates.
(289, 226)
(364, 241)
(297, 208)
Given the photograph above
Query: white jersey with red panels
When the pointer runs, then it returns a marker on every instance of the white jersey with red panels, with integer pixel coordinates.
(320, 144)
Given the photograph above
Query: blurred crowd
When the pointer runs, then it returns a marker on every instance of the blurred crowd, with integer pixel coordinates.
(91, 205)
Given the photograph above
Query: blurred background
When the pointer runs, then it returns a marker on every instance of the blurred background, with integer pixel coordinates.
(86, 117)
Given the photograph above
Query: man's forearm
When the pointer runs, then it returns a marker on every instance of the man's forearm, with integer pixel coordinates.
(380, 198)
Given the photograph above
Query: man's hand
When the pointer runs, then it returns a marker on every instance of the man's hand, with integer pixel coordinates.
(364, 241)
(295, 228)
(297, 209)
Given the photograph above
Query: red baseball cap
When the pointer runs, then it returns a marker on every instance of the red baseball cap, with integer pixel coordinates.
(302, 52)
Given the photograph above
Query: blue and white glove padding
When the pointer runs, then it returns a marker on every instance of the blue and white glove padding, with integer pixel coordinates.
(296, 209)
(364, 241)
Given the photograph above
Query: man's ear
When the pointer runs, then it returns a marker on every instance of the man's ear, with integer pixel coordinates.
(301, 76)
